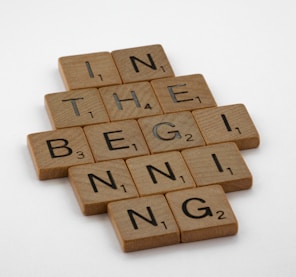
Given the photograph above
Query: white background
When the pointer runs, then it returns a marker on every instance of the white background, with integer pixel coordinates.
(245, 50)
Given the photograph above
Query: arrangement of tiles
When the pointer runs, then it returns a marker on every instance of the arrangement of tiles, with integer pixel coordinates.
(151, 149)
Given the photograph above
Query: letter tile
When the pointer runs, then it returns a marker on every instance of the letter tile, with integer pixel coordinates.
(183, 93)
(130, 101)
(227, 123)
(73, 108)
(143, 223)
(88, 71)
(202, 213)
(218, 164)
(168, 132)
(53, 152)
(116, 140)
(142, 63)
(160, 173)
(95, 185)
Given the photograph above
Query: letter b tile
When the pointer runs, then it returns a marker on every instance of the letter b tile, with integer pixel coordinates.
(53, 152)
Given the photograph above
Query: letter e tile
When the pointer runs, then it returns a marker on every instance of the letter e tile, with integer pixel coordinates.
(116, 140)
(202, 213)
(143, 223)
(183, 93)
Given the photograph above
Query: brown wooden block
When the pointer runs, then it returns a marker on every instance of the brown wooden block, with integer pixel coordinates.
(160, 173)
(53, 152)
(183, 93)
(218, 164)
(142, 63)
(95, 185)
(143, 223)
(172, 131)
(130, 101)
(228, 123)
(89, 70)
(202, 213)
(75, 108)
(116, 140)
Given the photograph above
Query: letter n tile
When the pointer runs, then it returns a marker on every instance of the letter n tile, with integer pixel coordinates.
(143, 223)
(97, 184)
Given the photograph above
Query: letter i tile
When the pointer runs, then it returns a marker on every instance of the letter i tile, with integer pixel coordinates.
(220, 164)
(227, 123)
(89, 71)
(202, 213)
(143, 223)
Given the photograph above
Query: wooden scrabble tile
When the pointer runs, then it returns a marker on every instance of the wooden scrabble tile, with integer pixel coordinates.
(183, 93)
(172, 131)
(227, 123)
(130, 101)
(218, 164)
(116, 140)
(143, 223)
(160, 173)
(142, 63)
(53, 152)
(89, 70)
(95, 185)
(202, 213)
(75, 108)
